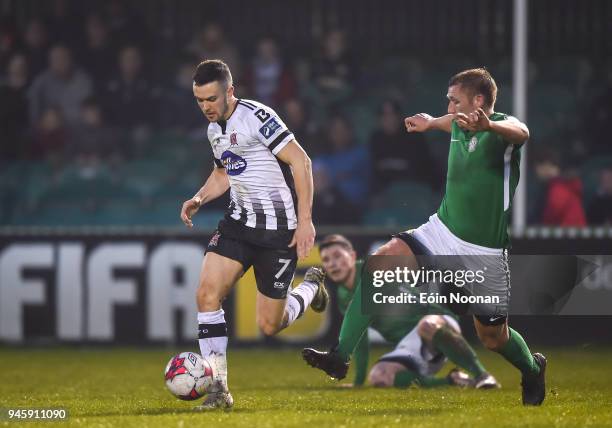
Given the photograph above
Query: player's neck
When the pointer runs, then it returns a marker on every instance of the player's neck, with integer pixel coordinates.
(231, 107)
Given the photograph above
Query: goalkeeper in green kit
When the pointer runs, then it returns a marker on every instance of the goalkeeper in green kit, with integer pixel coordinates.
(473, 218)
(424, 337)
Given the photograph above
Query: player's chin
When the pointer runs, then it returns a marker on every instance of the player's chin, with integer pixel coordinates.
(335, 277)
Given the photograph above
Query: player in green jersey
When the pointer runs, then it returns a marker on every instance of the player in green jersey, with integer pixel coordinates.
(472, 221)
(424, 337)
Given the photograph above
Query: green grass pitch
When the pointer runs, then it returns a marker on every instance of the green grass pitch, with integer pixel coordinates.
(275, 388)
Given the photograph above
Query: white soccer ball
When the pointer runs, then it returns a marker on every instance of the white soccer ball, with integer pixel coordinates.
(188, 376)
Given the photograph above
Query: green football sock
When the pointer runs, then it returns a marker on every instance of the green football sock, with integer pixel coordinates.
(456, 349)
(405, 378)
(518, 354)
(354, 325)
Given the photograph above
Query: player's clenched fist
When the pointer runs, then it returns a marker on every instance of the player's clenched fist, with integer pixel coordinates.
(190, 207)
(418, 123)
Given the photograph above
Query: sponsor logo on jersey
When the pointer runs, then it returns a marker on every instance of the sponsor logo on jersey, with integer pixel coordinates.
(214, 240)
(233, 140)
(278, 284)
(269, 128)
(234, 164)
(473, 144)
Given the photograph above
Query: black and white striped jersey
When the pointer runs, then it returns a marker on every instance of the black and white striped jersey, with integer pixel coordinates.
(262, 190)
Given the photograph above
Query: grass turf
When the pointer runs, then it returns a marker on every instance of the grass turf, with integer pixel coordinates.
(274, 388)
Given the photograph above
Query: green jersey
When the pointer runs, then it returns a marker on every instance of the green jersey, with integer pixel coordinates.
(393, 328)
(483, 171)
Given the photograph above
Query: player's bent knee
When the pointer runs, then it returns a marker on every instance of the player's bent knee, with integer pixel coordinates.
(429, 325)
(380, 376)
(378, 380)
(395, 247)
(268, 328)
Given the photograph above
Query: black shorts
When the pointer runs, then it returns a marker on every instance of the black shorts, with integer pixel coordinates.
(274, 265)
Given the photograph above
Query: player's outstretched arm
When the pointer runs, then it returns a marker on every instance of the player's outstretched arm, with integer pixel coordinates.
(423, 122)
(301, 166)
(512, 130)
(215, 186)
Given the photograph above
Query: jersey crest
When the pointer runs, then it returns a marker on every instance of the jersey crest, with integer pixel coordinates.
(233, 140)
(473, 144)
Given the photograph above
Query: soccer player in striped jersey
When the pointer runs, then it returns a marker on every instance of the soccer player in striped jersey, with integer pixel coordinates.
(472, 221)
(268, 224)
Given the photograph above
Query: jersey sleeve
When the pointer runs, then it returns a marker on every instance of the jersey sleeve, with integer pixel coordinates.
(270, 130)
(216, 161)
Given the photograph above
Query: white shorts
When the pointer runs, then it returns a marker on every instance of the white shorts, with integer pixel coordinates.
(414, 355)
(438, 240)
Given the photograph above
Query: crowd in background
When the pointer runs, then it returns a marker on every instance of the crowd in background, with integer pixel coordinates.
(94, 91)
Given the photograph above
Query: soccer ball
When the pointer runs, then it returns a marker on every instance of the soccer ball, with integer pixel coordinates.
(188, 376)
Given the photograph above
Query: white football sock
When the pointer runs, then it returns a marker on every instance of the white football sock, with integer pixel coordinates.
(212, 333)
(299, 299)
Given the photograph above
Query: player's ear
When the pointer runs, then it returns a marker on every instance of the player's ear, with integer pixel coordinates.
(479, 101)
(230, 91)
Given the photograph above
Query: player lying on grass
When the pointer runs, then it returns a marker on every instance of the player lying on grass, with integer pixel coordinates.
(424, 338)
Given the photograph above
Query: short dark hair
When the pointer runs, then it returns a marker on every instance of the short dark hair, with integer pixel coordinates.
(335, 239)
(212, 70)
(477, 81)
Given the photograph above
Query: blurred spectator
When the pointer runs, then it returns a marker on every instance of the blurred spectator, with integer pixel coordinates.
(8, 43)
(50, 136)
(130, 98)
(329, 205)
(36, 42)
(268, 78)
(64, 23)
(125, 26)
(14, 108)
(334, 70)
(97, 53)
(347, 165)
(298, 121)
(563, 196)
(599, 116)
(210, 43)
(398, 155)
(62, 85)
(178, 110)
(600, 208)
(93, 139)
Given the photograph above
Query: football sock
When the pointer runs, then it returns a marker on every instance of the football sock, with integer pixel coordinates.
(354, 326)
(456, 349)
(212, 337)
(518, 354)
(212, 333)
(299, 299)
(405, 378)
